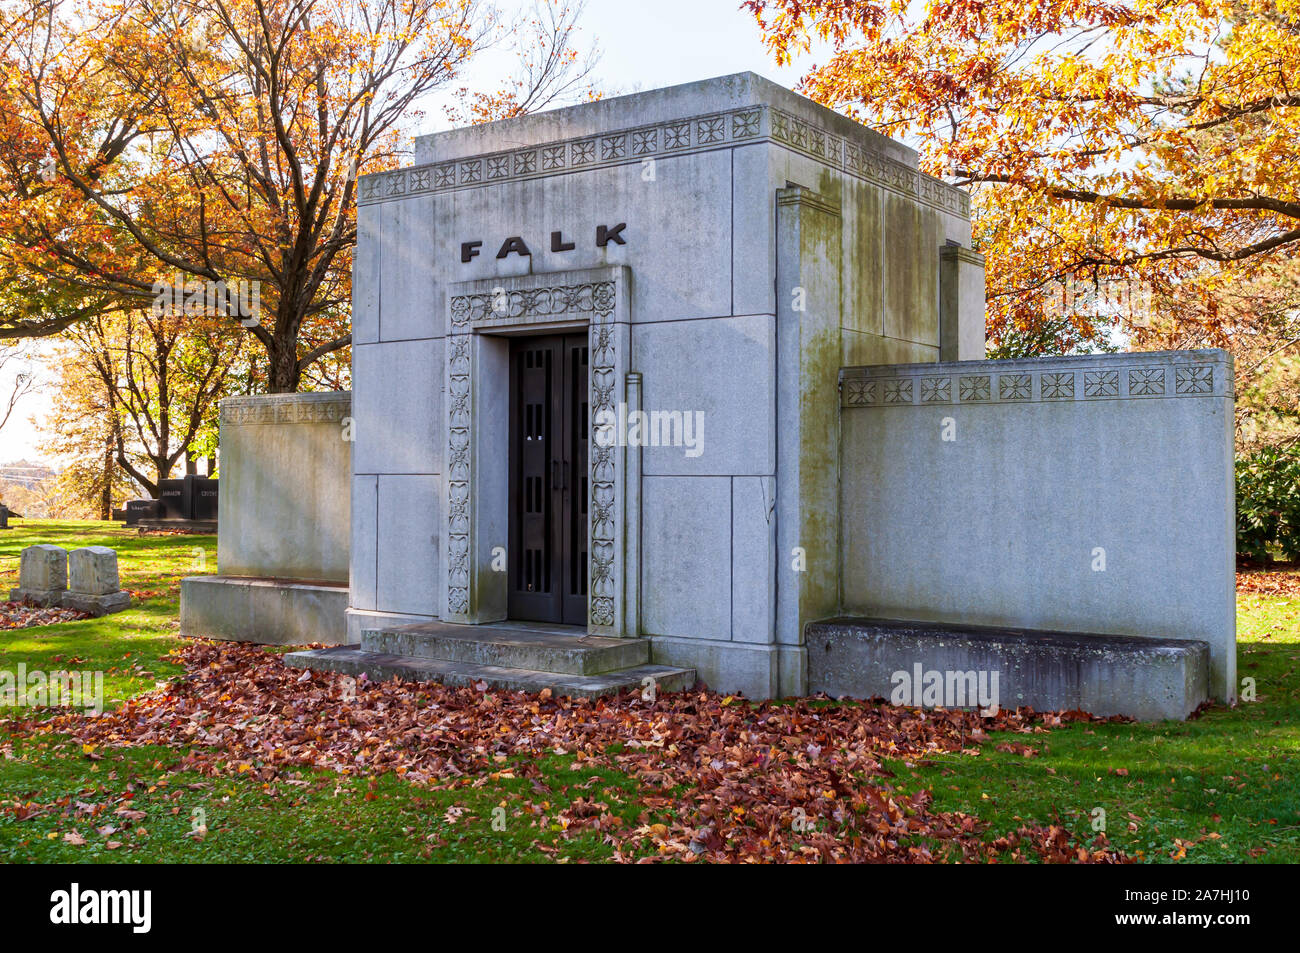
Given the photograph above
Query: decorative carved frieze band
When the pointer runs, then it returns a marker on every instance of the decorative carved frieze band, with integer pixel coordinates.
(287, 409)
(849, 156)
(1116, 377)
(531, 306)
(674, 137)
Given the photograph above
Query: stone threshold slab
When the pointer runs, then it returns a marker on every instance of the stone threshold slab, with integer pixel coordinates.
(558, 650)
(381, 667)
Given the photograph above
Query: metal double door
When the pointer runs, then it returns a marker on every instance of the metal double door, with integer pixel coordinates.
(548, 479)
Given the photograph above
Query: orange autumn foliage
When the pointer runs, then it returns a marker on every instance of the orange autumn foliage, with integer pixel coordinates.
(1141, 141)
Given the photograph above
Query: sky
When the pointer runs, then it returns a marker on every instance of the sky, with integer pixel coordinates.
(652, 43)
(19, 439)
(645, 44)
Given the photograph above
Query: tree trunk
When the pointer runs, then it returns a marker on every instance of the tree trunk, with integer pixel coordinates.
(110, 448)
(282, 374)
(106, 493)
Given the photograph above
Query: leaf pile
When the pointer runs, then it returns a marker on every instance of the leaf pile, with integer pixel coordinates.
(1269, 582)
(722, 779)
(19, 615)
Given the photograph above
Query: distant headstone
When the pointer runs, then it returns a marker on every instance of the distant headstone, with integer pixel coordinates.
(93, 582)
(4, 516)
(202, 497)
(172, 497)
(137, 510)
(42, 575)
(192, 498)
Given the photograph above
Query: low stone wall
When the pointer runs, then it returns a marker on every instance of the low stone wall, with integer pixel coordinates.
(283, 538)
(1083, 494)
(284, 493)
(269, 611)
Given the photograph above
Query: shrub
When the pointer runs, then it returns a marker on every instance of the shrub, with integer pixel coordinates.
(1268, 504)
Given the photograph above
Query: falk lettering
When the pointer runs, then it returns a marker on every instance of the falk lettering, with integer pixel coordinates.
(515, 244)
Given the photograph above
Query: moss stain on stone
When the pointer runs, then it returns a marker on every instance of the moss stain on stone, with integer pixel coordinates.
(821, 249)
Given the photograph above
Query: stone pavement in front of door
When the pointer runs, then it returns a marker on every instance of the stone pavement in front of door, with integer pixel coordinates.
(514, 656)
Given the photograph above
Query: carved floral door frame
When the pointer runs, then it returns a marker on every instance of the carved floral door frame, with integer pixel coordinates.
(481, 316)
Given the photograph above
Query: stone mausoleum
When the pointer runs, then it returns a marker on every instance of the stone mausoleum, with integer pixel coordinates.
(690, 384)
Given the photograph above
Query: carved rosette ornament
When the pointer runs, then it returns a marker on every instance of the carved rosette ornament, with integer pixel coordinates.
(1065, 380)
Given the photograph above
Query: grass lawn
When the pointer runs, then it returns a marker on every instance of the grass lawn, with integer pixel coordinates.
(1223, 787)
(128, 647)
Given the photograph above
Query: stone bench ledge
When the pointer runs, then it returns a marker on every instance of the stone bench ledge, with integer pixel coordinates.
(1149, 679)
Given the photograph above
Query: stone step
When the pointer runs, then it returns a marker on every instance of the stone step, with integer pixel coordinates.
(381, 667)
(535, 648)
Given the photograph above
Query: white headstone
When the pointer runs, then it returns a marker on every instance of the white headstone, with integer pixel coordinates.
(92, 570)
(43, 567)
